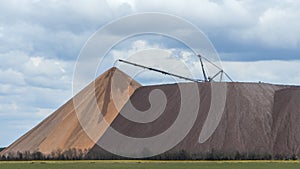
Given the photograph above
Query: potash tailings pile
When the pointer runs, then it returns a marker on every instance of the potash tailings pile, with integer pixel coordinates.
(259, 121)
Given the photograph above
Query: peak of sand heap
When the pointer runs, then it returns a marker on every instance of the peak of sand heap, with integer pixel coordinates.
(62, 129)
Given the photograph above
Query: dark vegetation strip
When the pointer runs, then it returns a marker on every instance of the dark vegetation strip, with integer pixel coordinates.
(149, 165)
(74, 154)
(2, 148)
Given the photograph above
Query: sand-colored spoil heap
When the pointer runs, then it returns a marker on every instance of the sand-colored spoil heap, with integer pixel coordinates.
(258, 118)
(62, 130)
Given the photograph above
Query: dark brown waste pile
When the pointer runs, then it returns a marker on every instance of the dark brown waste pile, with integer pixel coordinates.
(259, 118)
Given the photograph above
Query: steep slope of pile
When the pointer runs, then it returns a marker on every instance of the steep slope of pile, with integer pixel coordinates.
(246, 123)
(286, 120)
(62, 129)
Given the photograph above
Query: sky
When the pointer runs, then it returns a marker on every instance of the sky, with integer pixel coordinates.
(41, 40)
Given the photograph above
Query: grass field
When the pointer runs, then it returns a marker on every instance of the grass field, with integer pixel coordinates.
(139, 164)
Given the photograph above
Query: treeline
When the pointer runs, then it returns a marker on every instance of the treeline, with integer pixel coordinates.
(70, 154)
(2, 148)
(214, 155)
(78, 154)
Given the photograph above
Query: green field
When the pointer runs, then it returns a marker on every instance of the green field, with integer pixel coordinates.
(139, 164)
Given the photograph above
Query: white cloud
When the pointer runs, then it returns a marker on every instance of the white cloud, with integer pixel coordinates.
(8, 108)
(44, 112)
(1, 29)
(39, 40)
(271, 23)
(40, 66)
(36, 60)
(276, 27)
(270, 71)
(206, 13)
(8, 61)
(132, 48)
(31, 87)
(121, 7)
(10, 76)
(154, 54)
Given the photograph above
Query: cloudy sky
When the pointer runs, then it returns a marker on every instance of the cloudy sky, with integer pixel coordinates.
(40, 42)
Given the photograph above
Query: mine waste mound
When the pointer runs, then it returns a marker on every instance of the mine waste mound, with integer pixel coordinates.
(260, 121)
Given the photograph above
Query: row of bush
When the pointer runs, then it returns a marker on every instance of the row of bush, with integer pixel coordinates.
(78, 154)
(71, 154)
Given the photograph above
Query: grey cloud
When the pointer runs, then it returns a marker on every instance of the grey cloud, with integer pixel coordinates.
(50, 28)
(270, 23)
(56, 15)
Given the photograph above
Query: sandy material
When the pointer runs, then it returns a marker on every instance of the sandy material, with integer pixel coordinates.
(62, 130)
(258, 118)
